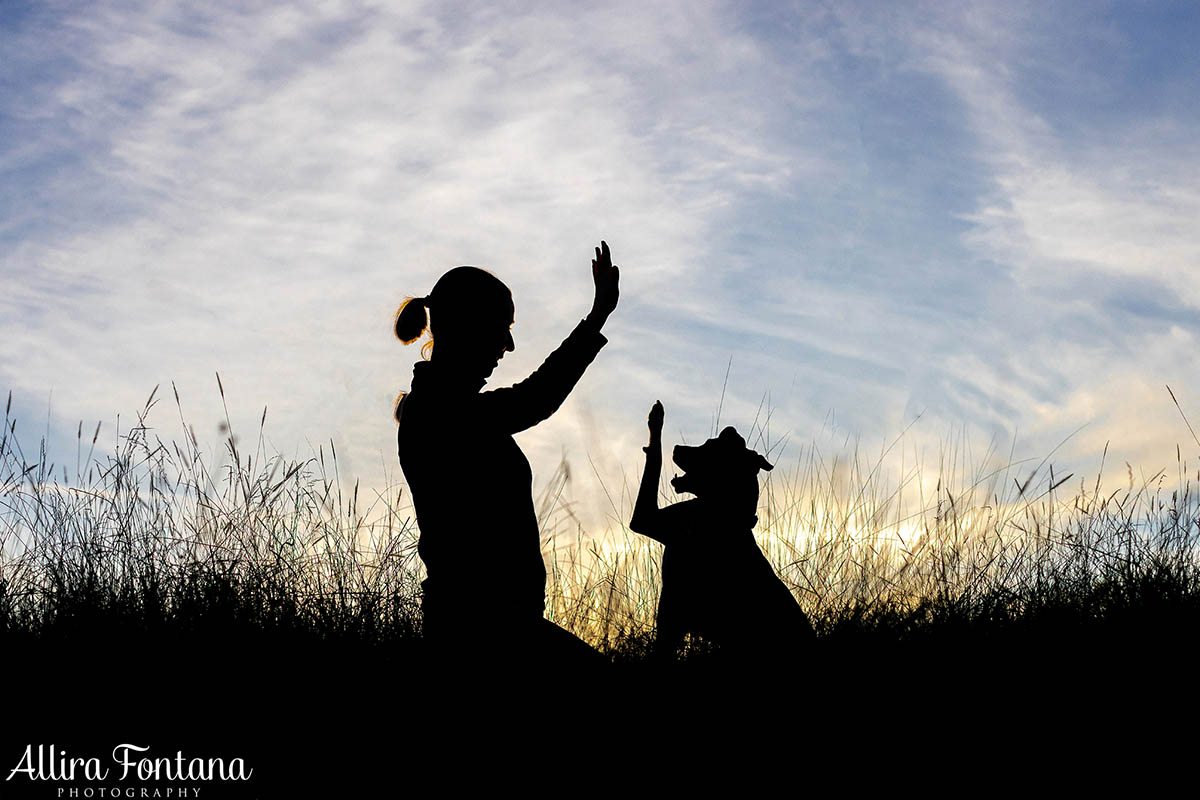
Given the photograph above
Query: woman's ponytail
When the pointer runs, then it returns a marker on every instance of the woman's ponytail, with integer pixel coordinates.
(411, 322)
(411, 319)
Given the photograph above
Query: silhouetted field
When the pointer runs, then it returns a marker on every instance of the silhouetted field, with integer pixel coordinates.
(146, 582)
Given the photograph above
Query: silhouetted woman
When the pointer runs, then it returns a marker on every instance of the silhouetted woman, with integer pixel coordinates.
(471, 485)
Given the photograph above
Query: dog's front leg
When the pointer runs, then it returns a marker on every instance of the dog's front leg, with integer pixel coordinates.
(668, 624)
(645, 518)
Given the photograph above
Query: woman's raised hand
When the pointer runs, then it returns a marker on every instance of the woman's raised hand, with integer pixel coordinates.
(606, 276)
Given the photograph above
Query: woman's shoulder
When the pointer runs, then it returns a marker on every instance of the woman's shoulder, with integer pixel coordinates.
(424, 415)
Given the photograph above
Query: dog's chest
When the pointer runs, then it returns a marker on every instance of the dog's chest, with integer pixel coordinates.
(707, 562)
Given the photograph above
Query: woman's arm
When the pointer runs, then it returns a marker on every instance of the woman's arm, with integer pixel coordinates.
(537, 397)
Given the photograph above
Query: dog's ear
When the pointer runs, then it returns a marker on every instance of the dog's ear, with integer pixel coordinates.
(760, 462)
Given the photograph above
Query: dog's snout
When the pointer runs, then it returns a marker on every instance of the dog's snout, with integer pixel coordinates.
(684, 456)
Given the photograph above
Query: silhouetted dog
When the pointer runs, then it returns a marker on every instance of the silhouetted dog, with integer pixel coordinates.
(716, 582)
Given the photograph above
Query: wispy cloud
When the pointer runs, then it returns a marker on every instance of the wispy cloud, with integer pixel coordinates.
(1089, 220)
(282, 178)
(875, 211)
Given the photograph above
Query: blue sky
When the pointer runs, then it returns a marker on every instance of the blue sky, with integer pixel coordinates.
(982, 214)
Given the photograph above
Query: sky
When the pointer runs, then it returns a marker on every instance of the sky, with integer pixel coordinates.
(968, 223)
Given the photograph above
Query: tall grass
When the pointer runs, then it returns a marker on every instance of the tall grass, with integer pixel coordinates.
(985, 550)
(152, 539)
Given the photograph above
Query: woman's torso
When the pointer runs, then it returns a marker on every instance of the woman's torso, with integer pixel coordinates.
(472, 493)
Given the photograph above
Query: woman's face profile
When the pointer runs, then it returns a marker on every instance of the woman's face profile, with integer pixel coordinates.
(500, 335)
(486, 338)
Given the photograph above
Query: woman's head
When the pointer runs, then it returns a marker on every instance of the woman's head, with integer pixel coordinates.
(470, 312)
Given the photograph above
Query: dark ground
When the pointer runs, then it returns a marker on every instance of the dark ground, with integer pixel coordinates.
(327, 717)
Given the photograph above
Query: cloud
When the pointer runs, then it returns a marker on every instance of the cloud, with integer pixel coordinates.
(873, 211)
(282, 177)
(1089, 220)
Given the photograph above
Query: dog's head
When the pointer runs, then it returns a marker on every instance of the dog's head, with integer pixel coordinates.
(716, 464)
